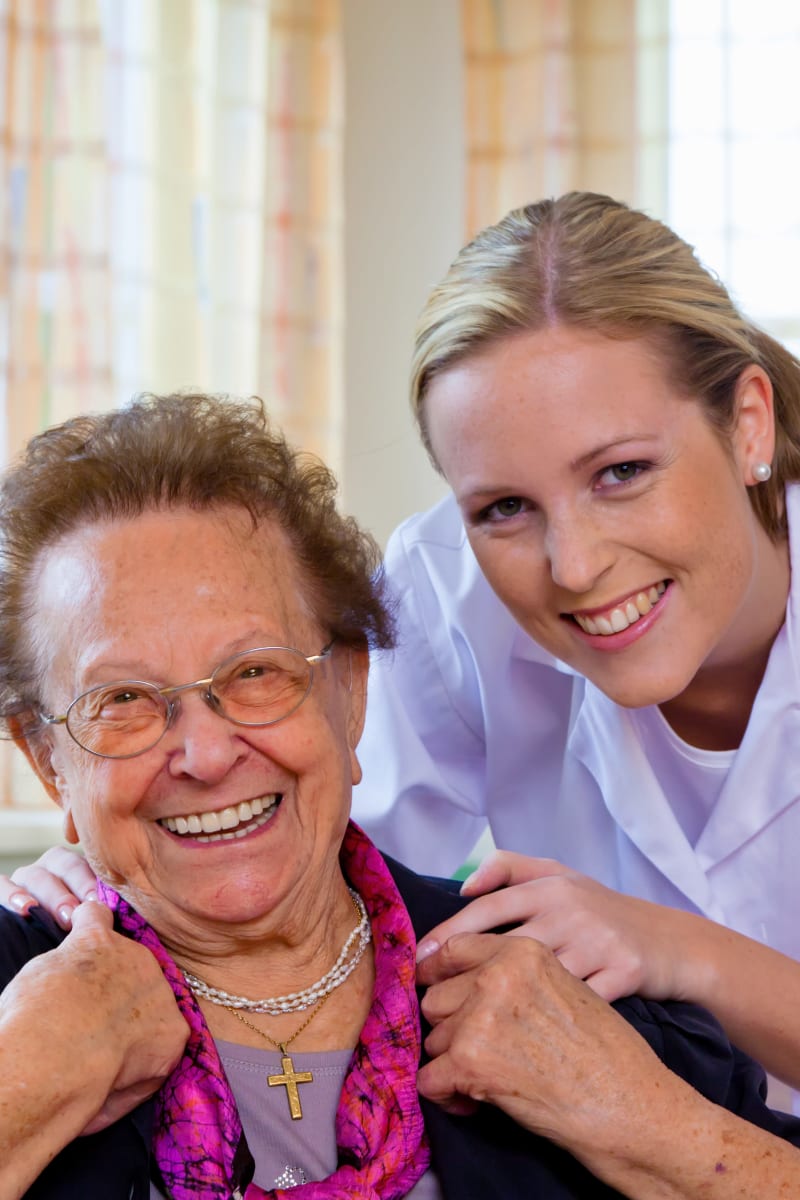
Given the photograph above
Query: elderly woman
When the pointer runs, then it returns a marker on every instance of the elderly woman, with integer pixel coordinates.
(184, 626)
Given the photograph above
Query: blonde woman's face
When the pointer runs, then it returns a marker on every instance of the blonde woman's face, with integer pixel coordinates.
(606, 512)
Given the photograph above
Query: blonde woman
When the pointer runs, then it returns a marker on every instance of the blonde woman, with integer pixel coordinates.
(598, 627)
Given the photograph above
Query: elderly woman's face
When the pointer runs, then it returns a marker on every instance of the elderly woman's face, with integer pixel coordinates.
(166, 597)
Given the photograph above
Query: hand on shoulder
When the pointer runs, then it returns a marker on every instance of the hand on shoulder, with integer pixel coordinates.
(59, 881)
(119, 1029)
(618, 944)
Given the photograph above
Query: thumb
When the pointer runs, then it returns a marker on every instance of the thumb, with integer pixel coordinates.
(92, 916)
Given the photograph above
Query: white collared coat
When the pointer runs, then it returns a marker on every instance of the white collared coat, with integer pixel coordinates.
(470, 722)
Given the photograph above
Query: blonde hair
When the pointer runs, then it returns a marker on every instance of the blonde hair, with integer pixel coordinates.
(588, 261)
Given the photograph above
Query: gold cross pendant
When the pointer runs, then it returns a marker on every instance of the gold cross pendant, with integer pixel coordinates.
(290, 1079)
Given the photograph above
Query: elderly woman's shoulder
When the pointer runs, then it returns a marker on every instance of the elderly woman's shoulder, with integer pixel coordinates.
(693, 1044)
(23, 938)
(686, 1037)
(428, 899)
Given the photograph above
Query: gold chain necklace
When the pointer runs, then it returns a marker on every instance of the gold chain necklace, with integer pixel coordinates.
(289, 1078)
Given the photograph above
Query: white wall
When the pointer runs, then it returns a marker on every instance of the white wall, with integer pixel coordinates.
(404, 170)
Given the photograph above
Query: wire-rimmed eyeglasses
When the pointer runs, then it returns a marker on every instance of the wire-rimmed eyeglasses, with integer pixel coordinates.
(128, 716)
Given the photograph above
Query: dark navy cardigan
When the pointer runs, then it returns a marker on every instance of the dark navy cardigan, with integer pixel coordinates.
(482, 1157)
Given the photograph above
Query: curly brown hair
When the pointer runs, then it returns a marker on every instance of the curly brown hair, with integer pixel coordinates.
(183, 450)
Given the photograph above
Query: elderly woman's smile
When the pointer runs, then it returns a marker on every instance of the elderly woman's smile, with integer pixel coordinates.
(231, 822)
(167, 597)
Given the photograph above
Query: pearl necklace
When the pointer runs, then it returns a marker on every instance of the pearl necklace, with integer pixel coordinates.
(276, 1006)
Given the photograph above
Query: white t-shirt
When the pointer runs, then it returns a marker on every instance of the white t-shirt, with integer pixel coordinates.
(694, 777)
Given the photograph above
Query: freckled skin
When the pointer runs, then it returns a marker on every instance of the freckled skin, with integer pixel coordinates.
(514, 421)
(125, 1034)
(167, 597)
(564, 1064)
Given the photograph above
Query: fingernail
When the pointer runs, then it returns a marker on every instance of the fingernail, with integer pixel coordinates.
(471, 878)
(65, 915)
(426, 949)
(93, 896)
(21, 901)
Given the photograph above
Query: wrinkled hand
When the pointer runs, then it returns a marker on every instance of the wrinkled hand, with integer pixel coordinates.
(114, 1015)
(514, 1028)
(618, 944)
(59, 880)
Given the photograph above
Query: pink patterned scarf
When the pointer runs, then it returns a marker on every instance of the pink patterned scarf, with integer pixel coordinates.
(198, 1141)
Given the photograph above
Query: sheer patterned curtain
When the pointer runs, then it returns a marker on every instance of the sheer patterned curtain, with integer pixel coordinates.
(171, 211)
(734, 163)
(171, 206)
(564, 94)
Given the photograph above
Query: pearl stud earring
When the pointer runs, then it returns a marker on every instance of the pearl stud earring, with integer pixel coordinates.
(762, 472)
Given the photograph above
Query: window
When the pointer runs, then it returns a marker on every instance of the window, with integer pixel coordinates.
(734, 154)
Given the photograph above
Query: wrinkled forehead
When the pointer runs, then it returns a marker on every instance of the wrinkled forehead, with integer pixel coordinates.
(161, 576)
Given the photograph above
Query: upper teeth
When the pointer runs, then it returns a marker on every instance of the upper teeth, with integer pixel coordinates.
(624, 615)
(228, 823)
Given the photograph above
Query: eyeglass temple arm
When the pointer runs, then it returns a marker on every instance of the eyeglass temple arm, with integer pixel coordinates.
(313, 659)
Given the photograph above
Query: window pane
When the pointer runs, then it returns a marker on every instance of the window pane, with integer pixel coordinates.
(734, 158)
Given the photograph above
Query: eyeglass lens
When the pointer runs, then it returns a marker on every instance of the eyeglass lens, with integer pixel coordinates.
(126, 717)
